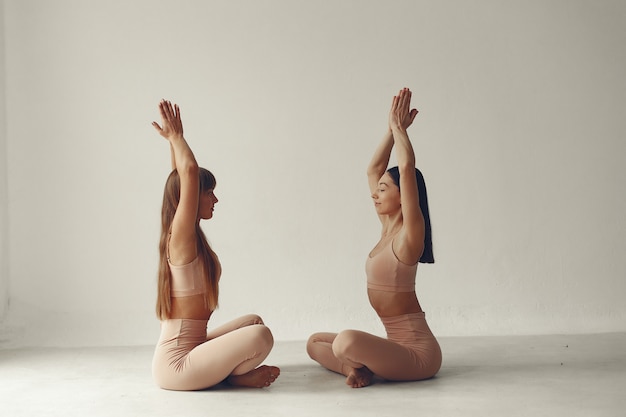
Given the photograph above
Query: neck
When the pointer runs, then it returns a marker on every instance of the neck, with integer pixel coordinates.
(392, 225)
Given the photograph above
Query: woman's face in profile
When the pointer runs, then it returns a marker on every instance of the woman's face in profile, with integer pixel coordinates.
(206, 204)
(386, 196)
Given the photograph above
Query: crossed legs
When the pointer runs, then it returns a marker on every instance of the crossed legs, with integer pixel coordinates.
(188, 360)
(228, 338)
(359, 356)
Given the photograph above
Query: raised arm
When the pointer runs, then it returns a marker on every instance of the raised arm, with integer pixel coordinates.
(410, 243)
(380, 161)
(182, 246)
(172, 157)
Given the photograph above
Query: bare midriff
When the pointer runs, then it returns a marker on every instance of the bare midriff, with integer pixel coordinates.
(191, 307)
(391, 304)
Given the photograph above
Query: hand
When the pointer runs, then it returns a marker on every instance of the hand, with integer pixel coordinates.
(400, 117)
(170, 119)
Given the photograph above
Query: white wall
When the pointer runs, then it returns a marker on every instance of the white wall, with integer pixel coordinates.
(4, 248)
(520, 137)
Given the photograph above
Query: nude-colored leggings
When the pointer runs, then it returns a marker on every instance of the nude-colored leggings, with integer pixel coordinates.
(187, 357)
(409, 353)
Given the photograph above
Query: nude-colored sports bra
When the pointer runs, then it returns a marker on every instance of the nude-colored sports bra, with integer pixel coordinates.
(188, 279)
(386, 273)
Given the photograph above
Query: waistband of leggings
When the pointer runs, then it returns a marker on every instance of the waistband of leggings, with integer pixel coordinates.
(183, 327)
(187, 322)
(403, 317)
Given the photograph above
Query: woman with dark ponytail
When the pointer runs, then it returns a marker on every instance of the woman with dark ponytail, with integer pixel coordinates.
(410, 352)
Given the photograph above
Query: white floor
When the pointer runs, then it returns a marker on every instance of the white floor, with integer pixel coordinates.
(581, 375)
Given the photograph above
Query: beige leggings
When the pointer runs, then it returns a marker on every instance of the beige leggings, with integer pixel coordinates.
(409, 353)
(187, 357)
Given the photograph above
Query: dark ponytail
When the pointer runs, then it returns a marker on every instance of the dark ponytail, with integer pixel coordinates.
(427, 255)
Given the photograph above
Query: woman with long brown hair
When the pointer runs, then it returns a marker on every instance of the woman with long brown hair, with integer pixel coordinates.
(187, 357)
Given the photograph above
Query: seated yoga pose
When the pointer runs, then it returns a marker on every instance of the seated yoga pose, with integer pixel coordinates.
(410, 352)
(187, 357)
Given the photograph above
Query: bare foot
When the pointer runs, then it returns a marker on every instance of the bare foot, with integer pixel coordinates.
(260, 377)
(360, 377)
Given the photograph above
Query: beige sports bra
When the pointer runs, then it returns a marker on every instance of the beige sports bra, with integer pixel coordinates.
(386, 273)
(188, 279)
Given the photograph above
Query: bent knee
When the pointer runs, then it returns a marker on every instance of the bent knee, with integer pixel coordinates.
(344, 342)
(263, 337)
(311, 345)
(251, 319)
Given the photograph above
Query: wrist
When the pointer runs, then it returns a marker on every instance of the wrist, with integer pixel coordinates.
(175, 137)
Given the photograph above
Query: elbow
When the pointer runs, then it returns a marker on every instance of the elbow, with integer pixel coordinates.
(376, 169)
(189, 168)
(407, 167)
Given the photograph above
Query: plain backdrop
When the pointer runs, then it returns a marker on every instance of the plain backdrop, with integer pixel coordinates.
(520, 136)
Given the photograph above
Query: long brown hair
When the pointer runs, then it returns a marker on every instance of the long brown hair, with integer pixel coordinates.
(171, 197)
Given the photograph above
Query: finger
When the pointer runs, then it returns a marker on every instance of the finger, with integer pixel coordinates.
(406, 99)
(400, 98)
(157, 127)
(162, 110)
(167, 109)
(170, 109)
(166, 112)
